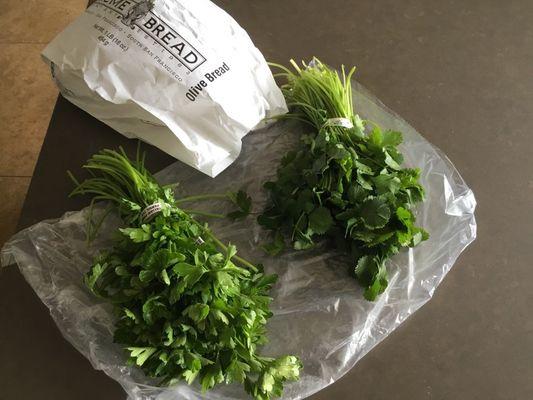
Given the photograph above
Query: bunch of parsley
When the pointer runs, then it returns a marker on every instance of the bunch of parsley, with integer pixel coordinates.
(187, 307)
(345, 181)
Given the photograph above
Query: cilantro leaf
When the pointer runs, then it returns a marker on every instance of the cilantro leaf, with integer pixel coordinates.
(320, 220)
(375, 213)
(386, 183)
(276, 246)
(391, 138)
(362, 196)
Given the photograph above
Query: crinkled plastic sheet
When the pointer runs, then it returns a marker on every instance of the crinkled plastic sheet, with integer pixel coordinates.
(319, 311)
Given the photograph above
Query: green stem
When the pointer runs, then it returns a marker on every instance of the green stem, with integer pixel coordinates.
(225, 249)
(246, 263)
(201, 197)
(204, 213)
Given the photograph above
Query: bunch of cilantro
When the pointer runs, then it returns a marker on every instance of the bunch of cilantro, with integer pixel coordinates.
(344, 182)
(187, 307)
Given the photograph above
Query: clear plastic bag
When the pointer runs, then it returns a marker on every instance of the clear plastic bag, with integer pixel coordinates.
(319, 311)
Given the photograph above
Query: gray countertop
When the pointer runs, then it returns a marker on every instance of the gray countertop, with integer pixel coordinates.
(460, 72)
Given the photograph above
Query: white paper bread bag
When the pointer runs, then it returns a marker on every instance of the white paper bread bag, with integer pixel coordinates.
(179, 74)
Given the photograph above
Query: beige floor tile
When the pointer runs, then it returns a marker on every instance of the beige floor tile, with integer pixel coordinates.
(34, 21)
(28, 99)
(11, 200)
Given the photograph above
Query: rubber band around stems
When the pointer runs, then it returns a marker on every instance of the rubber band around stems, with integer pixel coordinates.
(340, 121)
(151, 211)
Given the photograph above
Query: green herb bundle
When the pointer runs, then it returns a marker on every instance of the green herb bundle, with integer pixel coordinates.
(187, 306)
(345, 181)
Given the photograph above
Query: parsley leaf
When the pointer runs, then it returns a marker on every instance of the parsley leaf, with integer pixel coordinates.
(188, 309)
(243, 203)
